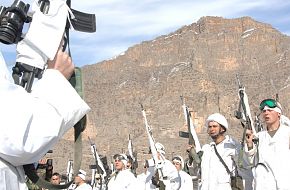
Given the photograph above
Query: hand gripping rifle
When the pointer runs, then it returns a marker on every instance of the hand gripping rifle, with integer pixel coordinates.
(157, 162)
(191, 135)
(12, 20)
(98, 168)
(133, 155)
(245, 117)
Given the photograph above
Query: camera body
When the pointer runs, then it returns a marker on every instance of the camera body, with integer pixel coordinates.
(12, 20)
(39, 45)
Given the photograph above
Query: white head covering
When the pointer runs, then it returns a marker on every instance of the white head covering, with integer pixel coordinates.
(178, 159)
(160, 148)
(219, 118)
(277, 109)
(124, 159)
(82, 174)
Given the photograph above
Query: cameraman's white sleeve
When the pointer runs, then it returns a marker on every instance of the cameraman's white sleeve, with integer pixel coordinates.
(32, 123)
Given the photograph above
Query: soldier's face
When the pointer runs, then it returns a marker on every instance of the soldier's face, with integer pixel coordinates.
(118, 164)
(213, 129)
(55, 180)
(78, 179)
(270, 116)
(177, 165)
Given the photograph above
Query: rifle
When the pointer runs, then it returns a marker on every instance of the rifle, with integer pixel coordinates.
(258, 123)
(245, 117)
(98, 168)
(158, 163)
(69, 170)
(191, 134)
(133, 155)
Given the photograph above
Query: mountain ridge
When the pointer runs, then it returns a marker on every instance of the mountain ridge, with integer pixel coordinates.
(199, 61)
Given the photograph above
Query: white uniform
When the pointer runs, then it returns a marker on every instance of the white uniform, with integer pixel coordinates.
(169, 171)
(213, 173)
(32, 123)
(144, 179)
(186, 181)
(124, 180)
(273, 165)
(84, 186)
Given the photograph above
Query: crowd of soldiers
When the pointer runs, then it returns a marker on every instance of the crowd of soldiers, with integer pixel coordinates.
(222, 164)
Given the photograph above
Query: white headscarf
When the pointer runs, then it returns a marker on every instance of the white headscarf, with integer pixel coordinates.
(82, 174)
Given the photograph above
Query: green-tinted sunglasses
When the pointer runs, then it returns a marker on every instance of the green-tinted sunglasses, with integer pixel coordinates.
(271, 103)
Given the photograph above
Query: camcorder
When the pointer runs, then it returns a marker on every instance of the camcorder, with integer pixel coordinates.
(12, 20)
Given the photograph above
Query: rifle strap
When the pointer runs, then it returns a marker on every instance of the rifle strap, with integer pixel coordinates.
(222, 161)
(31, 172)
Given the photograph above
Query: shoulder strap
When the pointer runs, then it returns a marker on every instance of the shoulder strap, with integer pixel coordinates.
(30, 170)
(222, 161)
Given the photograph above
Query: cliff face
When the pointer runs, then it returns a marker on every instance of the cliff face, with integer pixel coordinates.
(199, 61)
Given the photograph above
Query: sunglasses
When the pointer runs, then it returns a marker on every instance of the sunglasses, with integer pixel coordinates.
(271, 103)
(119, 157)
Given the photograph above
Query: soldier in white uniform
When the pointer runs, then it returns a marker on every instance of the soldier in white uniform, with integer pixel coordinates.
(80, 181)
(271, 154)
(122, 179)
(214, 175)
(171, 178)
(186, 179)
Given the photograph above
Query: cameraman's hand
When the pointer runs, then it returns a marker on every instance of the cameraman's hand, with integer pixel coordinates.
(63, 63)
(42, 161)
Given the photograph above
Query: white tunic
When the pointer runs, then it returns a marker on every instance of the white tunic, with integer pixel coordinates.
(273, 166)
(186, 181)
(144, 179)
(124, 180)
(170, 172)
(84, 186)
(213, 173)
(32, 123)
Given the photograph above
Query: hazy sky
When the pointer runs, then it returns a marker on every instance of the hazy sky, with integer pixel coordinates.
(124, 23)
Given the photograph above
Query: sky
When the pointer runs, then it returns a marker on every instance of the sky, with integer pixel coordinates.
(121, 24)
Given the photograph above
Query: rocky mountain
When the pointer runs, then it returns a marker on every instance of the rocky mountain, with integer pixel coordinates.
(198, 61)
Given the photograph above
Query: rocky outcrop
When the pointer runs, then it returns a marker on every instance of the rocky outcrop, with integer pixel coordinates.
(199, 61)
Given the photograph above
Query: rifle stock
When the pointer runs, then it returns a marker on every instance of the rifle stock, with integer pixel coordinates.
(133, 155)
(245, 118)
(244, 104)
(157, 162)
(98, 167)
(191, 134)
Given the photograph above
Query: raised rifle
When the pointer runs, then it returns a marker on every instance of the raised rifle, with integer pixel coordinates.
(158, 163)
(190, 134)
(244, 115)
(98, 168)
(133, 155)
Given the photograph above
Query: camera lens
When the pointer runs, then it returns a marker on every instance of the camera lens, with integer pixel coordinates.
(12, 20)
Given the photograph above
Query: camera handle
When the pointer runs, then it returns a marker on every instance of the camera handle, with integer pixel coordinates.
(28, 73)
